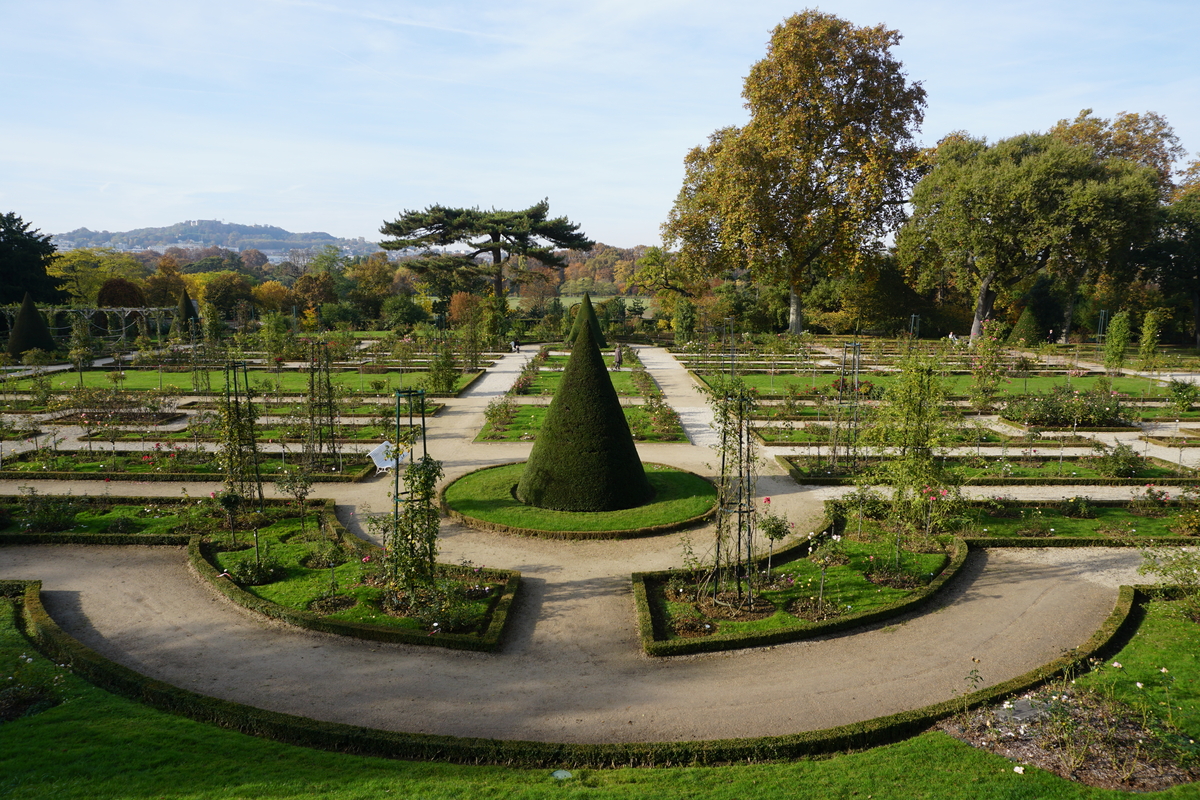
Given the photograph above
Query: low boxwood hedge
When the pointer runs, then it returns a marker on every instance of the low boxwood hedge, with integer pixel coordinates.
(56, 644)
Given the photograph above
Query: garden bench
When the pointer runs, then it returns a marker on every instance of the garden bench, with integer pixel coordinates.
(386, 457)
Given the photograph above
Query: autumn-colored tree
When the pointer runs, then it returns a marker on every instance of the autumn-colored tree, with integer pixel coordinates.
(822, 168)
(254, 261)
(163, 287)
(315, 289)
(371, 283)
(274, 296)
(465, 308)
(1146, 139)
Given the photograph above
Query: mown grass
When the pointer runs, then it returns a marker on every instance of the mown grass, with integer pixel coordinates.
(1050, 521)
(487, 495)
(807, 383)
(1015, 467)
(527, 422)
(97, 746)
(1159, 672)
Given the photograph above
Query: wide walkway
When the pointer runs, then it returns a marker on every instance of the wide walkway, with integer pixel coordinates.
(572, 669)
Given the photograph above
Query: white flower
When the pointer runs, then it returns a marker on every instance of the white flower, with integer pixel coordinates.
(1019, 770)
(1139, 685)
(1117, 664)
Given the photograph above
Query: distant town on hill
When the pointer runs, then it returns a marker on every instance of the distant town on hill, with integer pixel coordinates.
(211, 233)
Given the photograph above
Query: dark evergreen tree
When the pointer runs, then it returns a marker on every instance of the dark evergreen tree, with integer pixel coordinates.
(29, 331)
(584, 458)
(586, 315)
(510, 238)
(185, 313)
(24, 256)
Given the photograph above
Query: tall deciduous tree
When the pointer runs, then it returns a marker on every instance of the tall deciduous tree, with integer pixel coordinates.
(1146, 139)
(507, 238)
(822, 168)
(25, 255)
(1175, 256)
(987, 218)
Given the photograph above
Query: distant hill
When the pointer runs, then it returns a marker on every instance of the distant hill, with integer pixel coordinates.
(210, 233)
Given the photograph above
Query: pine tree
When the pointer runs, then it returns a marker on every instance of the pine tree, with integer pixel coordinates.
(584, 458)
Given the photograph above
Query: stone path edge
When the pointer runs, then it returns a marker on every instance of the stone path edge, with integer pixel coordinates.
(60, 646)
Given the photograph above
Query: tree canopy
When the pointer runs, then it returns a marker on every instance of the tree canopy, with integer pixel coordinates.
(821, 170)
(988, 218)
(510, 238)
(25, 255)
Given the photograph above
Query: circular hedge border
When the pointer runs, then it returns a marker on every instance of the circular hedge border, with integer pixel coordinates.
(505, 499)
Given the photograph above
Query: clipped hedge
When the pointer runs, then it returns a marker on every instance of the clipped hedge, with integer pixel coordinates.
(56, 644)
(799, 477)
(157, 477)
(649, 626)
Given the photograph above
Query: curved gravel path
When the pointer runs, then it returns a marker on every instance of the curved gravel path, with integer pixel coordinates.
(572, 669)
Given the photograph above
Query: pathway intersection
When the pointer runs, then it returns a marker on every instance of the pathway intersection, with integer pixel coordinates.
(571, 669)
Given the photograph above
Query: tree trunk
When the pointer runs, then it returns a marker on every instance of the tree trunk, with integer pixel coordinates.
(1196, 315)
(795, 313)
(983, 305)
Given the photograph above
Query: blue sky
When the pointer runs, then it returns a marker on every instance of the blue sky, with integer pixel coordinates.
(336, 115)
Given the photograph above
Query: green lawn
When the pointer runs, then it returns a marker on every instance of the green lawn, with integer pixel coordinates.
(1035, 521)
(97, 746)
(806, 383)
(487, 495)
(1015, 466)
(529, 418)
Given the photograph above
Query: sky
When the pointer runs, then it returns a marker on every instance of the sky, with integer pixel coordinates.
(339, 115)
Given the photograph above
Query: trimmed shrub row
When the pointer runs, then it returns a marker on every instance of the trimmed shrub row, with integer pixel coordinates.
(156, 477)
(649, 625)
(64, 649)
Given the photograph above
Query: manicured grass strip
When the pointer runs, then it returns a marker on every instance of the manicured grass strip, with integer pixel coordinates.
(529, 418)
(957, 384)
(139, 466)
(484, 499)
(292, 381)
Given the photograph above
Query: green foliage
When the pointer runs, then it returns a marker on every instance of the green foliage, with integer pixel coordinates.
(1118, 461)
(1064, 407)
(584, 458)
(256, 572)
(1178, 568)
(1148, 342)
(444, 371)
(25, 255)
(42, 513)
(1182, 394)
(1116, 340)
(987, 365)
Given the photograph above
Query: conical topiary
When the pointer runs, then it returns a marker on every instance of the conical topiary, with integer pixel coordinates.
(584, 458)
(29, 331)
(586, 316)
(185, 312)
